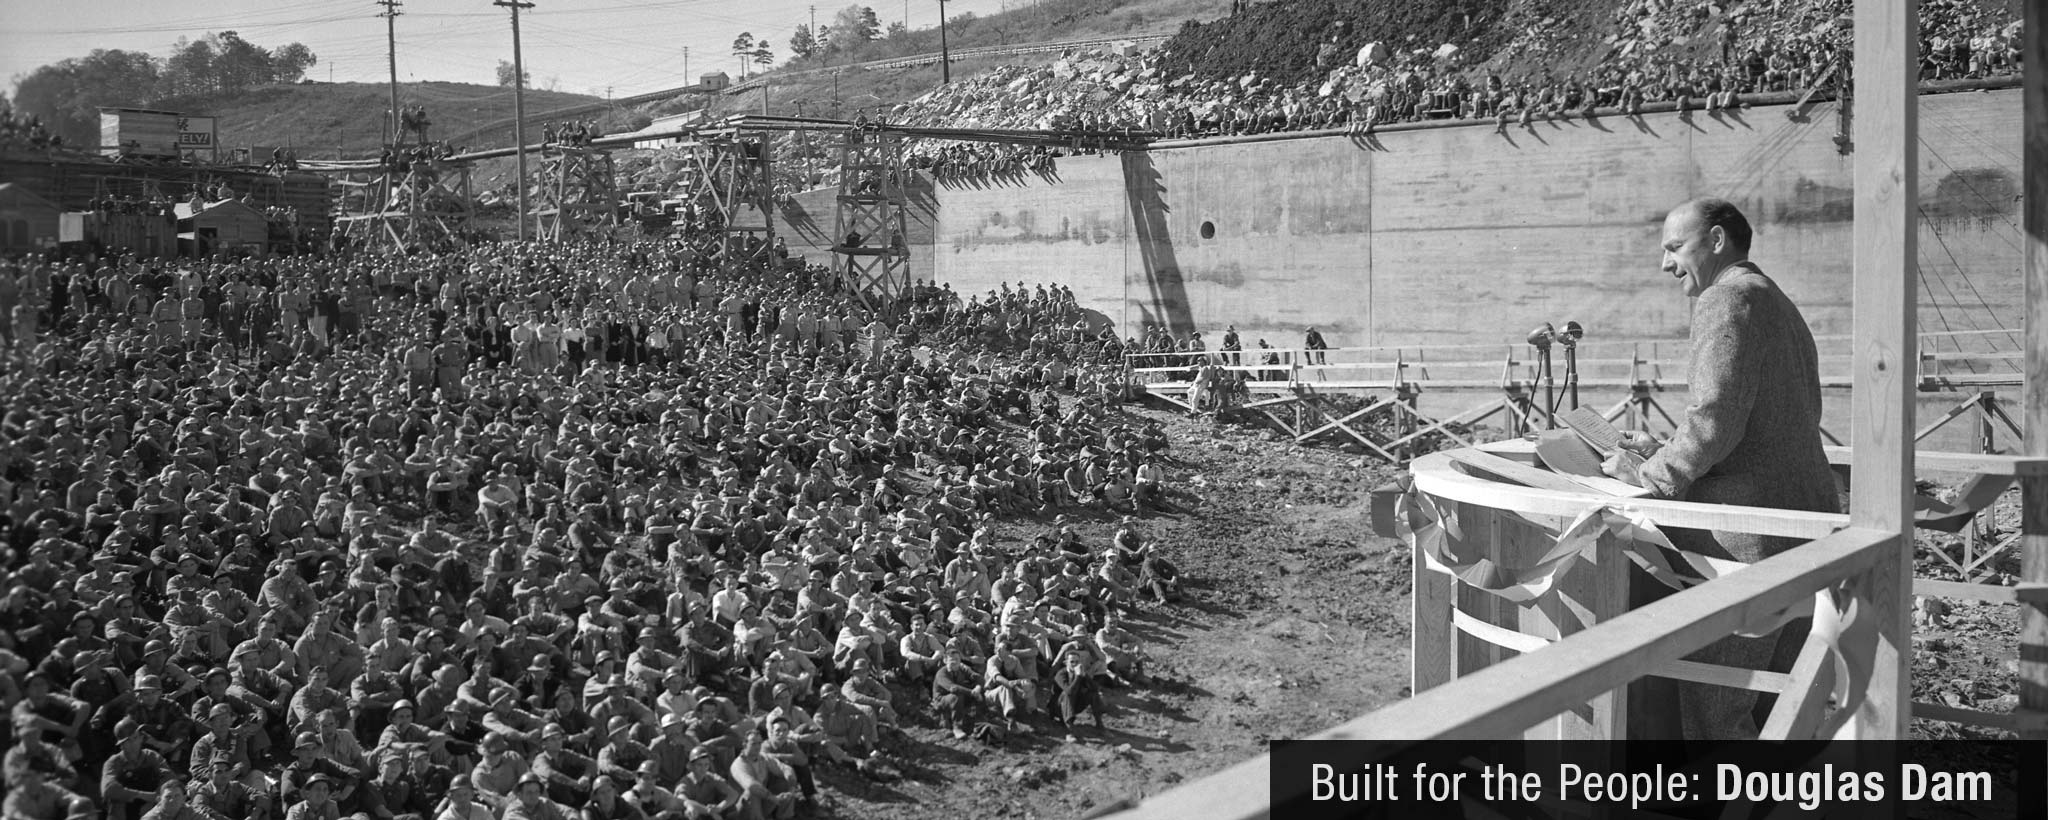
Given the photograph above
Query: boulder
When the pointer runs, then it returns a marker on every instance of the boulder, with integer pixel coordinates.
(1372, 54)
(1446, 50)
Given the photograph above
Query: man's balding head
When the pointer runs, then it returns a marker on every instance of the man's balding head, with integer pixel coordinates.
(1713, 212)
(1703, 237)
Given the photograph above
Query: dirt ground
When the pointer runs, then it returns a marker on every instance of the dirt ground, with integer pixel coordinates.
(1966, 652)
(1296, 619)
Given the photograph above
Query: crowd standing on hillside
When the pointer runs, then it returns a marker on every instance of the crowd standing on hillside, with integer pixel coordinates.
(1751, 52)
(532, 531)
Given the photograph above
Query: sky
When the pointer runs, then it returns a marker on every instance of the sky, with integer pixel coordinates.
(580, 46)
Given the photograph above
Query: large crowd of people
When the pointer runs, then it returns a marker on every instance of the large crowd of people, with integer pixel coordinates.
(594, 530)
(1360, 89)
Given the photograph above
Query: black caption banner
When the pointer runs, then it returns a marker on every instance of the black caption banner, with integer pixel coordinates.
(1650, 779)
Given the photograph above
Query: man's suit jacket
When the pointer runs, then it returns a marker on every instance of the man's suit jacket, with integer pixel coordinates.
(1751, 433)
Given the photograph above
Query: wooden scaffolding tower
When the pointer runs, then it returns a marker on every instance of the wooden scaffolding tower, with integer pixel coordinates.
(730, 181)
(425, 204)
(576, 192)
(869, 254)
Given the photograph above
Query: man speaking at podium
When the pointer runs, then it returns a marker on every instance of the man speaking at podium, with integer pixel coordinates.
(1750, 436)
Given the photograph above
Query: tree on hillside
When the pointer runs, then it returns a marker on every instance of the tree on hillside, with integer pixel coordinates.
(763, 55)
(897, 29)
(289, 64)
(743, 48)
(802, 44)
(226, 63)
(853, 26)
(238, 63)
(506, 76)
(67, 94)
(190, 69)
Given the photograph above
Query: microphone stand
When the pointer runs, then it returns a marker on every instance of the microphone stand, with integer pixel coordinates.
(1541, 338)
(1571, 372)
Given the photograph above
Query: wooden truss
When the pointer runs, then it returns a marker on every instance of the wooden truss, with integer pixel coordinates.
(731, 180)
(872, 206)
(576, 192)
(427, 205)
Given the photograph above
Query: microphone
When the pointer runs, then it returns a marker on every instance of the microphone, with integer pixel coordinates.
(1573, 332)
(1542, 336)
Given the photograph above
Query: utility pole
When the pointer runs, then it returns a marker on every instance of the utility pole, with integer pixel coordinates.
(814, 22)
(686, 64)
(945, 53)
(390, 15)
(518, 106)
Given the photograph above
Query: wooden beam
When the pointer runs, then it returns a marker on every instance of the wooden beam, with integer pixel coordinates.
(2033, 672)
(1732, 677)
(1963, 589)
(1980, 463)
(1886, 233)
(1500, 701)
(1434, 475)
(2022, 721)
(1800, 710)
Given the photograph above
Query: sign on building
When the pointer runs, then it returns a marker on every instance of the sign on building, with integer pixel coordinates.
(198, 139)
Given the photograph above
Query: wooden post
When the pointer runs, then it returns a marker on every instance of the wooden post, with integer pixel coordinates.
(2033, 674)
(1886, 231)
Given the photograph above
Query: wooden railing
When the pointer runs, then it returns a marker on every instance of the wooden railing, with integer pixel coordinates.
(1502, 700)
(1942, 364)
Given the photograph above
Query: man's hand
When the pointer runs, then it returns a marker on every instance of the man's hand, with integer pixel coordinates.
(1640, 443)
(1624, 465)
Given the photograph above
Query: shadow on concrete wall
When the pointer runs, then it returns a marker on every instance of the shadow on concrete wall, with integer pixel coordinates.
(1167, 304)
(798, 218)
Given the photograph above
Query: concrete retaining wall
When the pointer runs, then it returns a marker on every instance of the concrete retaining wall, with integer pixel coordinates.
(1462, 235)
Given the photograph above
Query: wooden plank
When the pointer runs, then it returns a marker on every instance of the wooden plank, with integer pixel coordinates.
(1545, 479)
(1751, 679)
(1278, 422)
(1499, 702)
(1593, 592)
(1981, 463)
(1885, 233)
(1960, 589)
(2016, 721)
(1482, 534)
(1528, 475)
(1437, 475)
(1953, 412)
(1800, 709)
(2033, 650)
(1432, 644)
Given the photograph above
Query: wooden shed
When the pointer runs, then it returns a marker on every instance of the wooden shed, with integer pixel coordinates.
(224, 225)
(28, 222)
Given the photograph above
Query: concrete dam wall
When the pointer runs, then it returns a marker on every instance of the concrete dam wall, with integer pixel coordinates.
(1461, 235)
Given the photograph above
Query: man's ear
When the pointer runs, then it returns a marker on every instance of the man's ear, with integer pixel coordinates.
(1720, 238)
